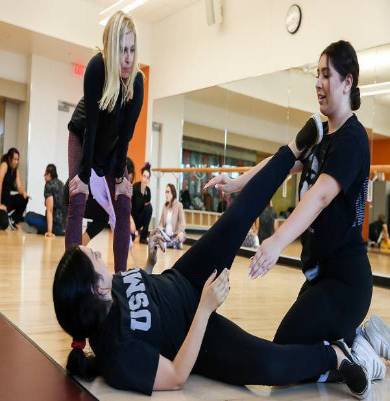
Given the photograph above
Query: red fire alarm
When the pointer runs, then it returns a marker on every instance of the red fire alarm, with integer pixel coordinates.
(78, 69)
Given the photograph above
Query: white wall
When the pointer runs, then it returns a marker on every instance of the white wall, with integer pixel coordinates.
(188, 54)
(51, 81)
(13, 66)
(11, 118)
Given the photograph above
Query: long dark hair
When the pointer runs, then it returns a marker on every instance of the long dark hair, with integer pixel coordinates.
(52, 170)
(174, 195)
(79, 310)
(343, 57)
(7, 157)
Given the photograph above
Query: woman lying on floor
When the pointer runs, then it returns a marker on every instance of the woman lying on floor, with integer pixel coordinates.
(149, 332)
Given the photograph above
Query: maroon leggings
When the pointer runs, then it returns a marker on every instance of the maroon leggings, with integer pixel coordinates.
(122, 208)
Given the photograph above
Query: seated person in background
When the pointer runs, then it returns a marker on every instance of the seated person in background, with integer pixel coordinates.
(130, 169)
(186, 199)
(141, 208)
(9, 183)
(225, 202)
(267, 223)
(172, 222)
(379, 233)
(251, 240)
(4, 222)
(53, 222)
(208, 202)
(222, 205)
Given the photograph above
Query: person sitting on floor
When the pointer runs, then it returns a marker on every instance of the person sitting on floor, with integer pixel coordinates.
(172, 221)
(141, 208)
(13, 197)
(53, 222)
(378, 233)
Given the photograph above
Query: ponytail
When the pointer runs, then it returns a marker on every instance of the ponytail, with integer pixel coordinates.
(79, 310)
(82, 365)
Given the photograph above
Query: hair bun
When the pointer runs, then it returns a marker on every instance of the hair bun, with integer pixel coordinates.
(355, 98)
(147, 166)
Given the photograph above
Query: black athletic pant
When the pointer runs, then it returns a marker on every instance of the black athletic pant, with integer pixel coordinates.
(142, 220)
(17, 203)
(332, 306)
(229, 353)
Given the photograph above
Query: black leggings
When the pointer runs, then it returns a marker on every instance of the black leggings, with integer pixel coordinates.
(333, 306)
(229, 353)
(142, 220)
(17, 203)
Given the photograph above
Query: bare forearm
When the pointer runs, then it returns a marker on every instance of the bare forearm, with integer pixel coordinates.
(300, 219)
(149, 266)
(188, 352)
(20, 189)
(49, 220)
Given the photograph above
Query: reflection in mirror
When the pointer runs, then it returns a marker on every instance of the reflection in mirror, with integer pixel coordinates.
(2, 124)
(377, 61)
(238, 124)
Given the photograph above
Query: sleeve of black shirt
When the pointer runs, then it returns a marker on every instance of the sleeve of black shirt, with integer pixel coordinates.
(132, 110)
(344, 160)
(132, 367)
(48, 191)
(93, 90)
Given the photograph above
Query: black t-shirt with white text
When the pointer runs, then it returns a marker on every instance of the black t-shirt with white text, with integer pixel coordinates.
(345, 156)
(150, 315)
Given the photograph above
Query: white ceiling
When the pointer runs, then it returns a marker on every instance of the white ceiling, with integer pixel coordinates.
(152, 11)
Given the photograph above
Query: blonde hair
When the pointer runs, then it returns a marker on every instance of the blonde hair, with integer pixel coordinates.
(118, 25)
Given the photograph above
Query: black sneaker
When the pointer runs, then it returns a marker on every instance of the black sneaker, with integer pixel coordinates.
(310, 135)
(354, 375)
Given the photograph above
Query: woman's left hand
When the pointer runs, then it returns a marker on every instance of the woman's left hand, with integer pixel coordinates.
(123, 188)
(181, 237)
(266, 256)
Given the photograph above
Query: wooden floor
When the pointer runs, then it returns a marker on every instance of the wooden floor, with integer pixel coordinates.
(380, 260)
(27, 266)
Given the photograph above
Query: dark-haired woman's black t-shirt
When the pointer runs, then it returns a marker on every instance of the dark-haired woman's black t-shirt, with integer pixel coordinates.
(139, 199)
(345, 156)
(104, 134)
(9, 185)
(150, 315)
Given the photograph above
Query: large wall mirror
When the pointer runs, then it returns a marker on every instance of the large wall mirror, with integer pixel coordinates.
(240, 123)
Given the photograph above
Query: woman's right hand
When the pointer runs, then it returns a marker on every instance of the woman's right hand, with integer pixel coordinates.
(224, 183)
(76, 186)
(215, 291)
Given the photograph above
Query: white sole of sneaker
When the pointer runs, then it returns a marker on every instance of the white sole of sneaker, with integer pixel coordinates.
(384, 331)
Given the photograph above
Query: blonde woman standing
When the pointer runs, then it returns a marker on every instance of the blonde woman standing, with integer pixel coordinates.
(101, 128)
